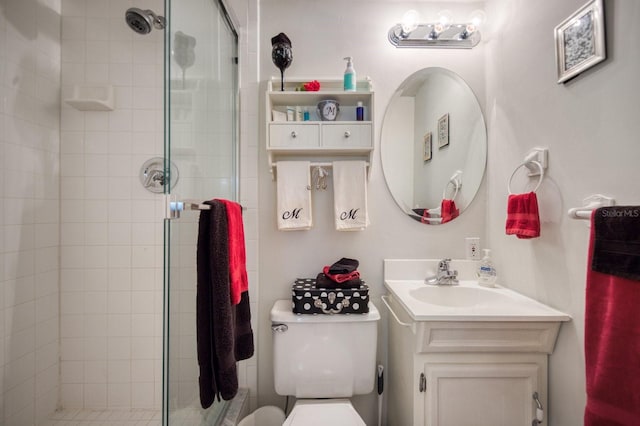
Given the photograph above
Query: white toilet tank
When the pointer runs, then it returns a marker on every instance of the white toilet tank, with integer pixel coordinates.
(323, 356)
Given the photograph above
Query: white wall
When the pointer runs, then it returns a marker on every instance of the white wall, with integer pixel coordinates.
(29, 205)
(591, 127)
(322, 33)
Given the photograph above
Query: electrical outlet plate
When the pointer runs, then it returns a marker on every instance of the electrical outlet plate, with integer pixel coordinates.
(472, 248)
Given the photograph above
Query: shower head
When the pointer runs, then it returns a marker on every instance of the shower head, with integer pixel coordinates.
(141, 21)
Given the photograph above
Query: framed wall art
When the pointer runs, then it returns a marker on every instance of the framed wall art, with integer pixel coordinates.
(580, 41)
(427, 147)
(443, 131)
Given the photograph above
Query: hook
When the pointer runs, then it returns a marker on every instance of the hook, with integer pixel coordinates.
(319, 177)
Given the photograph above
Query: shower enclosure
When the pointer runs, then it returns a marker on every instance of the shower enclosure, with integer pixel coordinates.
(201, 130)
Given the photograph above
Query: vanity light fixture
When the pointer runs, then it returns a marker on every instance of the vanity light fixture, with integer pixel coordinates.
(444, 33)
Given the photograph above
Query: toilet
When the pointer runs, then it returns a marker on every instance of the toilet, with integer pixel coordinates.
(323, 360)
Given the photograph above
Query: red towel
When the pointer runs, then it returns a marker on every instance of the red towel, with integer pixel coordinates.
(237, 254)
(448, 210)
(340, 278)
(612, 346)
(523, 220)
(425, 216)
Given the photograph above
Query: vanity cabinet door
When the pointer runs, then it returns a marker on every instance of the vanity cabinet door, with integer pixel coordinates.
(480, 394)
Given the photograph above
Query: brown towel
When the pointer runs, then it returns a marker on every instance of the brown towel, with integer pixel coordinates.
(224, 333)
(617, 242)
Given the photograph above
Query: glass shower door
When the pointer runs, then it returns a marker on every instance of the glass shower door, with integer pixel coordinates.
(201, 92)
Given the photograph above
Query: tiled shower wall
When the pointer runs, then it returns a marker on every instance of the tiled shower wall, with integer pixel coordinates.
(29, 204)
(111, 227)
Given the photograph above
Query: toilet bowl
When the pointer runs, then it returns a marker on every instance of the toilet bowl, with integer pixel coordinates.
(334, 412)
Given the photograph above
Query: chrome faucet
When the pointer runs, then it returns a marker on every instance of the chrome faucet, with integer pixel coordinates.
(445, 275)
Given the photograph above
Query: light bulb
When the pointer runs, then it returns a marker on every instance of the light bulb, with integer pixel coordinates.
(409, 21)
(470, 29)
(477, 18)
(445, 18)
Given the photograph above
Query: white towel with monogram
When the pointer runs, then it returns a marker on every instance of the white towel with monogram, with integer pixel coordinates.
(294, 195)
(350, 195)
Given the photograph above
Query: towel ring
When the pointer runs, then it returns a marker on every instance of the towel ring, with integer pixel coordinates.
(524, 165)
(456, 187)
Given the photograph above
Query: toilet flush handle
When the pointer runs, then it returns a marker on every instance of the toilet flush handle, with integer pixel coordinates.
(279, 328)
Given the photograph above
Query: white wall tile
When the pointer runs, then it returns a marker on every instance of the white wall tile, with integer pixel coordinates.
(96, 50)
(119, 348)
(119, 395)
(96, 211)
(72, 372)
(96, 121)
(95, 372)
(73, 28)
(97, 9)
(96, 142)
(71, 395)
(72, 348)
(119, 302)
(97, 28)
(142, 348)
(119, 279)
(95, 74)
(119, 325)
(96, 345)
(95, 395)
(95, 302)
(119, 371)
(142, 395)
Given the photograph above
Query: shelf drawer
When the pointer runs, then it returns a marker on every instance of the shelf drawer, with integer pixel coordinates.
(294, 135)
(346, 136)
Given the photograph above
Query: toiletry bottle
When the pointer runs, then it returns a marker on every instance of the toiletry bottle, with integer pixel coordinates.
(359, 112)
(486, 272)
(305, 114)
(349, 76)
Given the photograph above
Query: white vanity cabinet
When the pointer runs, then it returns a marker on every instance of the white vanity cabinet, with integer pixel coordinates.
(290, 137)
(447, 373)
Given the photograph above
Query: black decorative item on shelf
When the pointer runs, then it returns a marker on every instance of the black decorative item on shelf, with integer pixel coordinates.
(281, 54)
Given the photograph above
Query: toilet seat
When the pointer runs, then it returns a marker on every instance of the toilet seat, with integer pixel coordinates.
(334, 412)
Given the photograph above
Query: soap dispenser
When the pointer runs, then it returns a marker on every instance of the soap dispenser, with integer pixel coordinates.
(349, 76)
(486, 272)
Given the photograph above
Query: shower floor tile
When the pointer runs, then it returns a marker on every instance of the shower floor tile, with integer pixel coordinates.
(76, 417)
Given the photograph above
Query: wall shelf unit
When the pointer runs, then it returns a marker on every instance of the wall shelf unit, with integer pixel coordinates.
(316, 140)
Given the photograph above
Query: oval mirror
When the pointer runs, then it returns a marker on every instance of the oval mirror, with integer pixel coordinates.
(433, 146)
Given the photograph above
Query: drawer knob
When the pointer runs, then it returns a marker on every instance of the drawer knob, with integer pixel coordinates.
(347, 134)
(294, 134)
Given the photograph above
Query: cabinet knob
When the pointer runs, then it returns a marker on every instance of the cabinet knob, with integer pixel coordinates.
(294, 134)
(347, 134)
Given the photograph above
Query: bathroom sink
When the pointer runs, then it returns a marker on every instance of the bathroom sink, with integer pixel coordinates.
(468, 301)
(464, 295)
